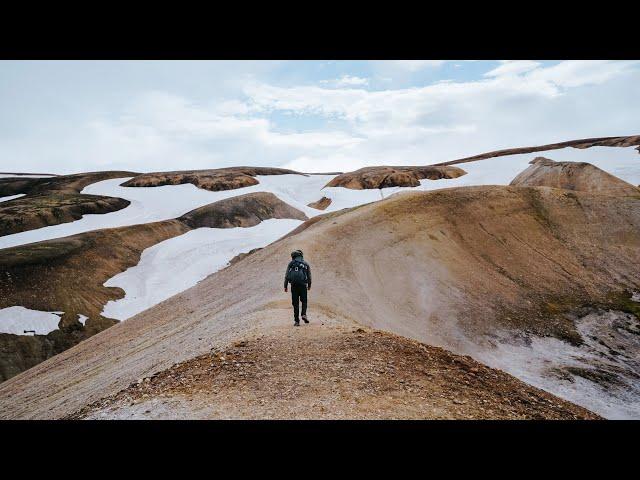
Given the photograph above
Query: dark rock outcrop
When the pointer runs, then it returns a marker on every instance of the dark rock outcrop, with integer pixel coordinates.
(241, 211)
(321, 204)
(214, 179)
(31, 212)
(53, 200)
(59, 184)
(385, 176)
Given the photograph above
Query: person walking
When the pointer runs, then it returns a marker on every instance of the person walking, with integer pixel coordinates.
(298, 274)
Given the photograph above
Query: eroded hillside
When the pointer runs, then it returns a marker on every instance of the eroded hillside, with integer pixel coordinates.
(468, 269)
(538, 279)
(69, 274)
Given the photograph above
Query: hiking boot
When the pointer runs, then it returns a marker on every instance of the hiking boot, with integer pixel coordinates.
(304, 317)
(296, 323)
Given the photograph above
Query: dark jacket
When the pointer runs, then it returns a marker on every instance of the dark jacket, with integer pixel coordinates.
(301, 260)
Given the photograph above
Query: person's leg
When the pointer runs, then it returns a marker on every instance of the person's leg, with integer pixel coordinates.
(295, 297)
(303, 297)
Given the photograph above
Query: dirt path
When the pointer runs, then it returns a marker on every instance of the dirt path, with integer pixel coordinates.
(331, 372)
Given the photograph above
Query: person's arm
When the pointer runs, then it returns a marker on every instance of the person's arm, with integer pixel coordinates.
(308, 277)
(286, 280)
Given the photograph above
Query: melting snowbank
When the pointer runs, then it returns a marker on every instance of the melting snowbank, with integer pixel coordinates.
(177, 264)
(16, 320)
(603, 374)
(11, 197)
(153, 204)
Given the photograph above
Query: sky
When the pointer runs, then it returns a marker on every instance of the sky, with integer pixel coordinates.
(312, 116)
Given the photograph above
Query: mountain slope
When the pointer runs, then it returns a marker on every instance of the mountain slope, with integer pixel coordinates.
(69, 274)
(544, 172)
(53, 200)
(459, 268)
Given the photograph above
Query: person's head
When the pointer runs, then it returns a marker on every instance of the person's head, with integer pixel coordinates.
(296, 253)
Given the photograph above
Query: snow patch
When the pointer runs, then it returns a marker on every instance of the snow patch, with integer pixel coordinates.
(179, 263)
(624, 163)
(153, 204)
(24, 175)
(602, 374)
(16, 320)
(11, 197)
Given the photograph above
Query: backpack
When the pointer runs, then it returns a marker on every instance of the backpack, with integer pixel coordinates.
(297, 273)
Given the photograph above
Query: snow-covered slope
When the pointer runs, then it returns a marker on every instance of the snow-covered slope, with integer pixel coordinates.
(179, 263)
(151, 204)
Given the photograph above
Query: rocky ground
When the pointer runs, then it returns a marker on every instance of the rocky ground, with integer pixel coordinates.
(322, 371)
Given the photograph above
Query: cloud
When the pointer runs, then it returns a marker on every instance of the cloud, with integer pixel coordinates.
(526, 104)
(416, 65)
(578, 73)
(346, 81)
(410, 104)
(512, 67)
(338, 124)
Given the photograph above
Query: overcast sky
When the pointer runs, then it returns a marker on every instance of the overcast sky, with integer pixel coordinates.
(73, 116)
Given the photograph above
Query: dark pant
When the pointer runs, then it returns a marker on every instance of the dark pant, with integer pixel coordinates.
(299, 293)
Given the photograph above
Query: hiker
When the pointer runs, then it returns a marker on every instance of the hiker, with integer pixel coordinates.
(299, 275)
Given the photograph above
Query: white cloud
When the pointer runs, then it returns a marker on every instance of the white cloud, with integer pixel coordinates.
(346, 81)
(410, 104)
(512, 67)
(340, 125)
(578, 73)
(415, 65)
(531, 105)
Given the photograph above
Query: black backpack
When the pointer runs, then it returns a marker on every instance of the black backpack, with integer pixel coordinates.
(297, 273)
